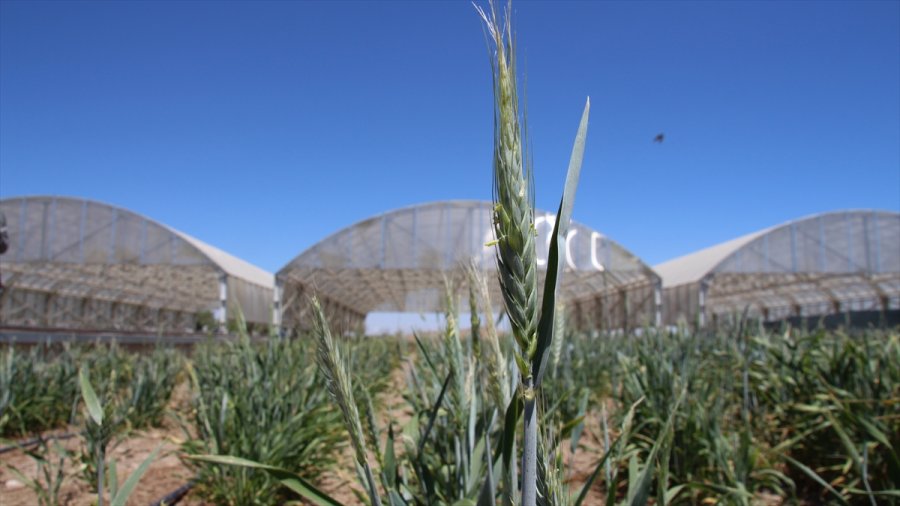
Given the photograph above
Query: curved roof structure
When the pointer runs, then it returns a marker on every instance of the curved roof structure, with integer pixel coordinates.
(814, 265)
(68, 249)
(396, 261)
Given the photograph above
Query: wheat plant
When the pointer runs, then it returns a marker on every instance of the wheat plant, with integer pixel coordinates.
(532, 320)
(334, 369)
(97, 437)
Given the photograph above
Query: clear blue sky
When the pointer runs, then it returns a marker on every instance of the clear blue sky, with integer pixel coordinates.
(261, 128)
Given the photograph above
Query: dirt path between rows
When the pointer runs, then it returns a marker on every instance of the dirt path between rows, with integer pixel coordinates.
(165, 474)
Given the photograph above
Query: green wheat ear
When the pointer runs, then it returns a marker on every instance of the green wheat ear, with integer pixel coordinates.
(335, 370)
(498, 380)
(513, 209)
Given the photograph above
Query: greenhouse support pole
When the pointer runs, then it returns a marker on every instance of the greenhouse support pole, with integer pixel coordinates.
(701, 300)
(276, 306)
(222, 313)
(657, 299)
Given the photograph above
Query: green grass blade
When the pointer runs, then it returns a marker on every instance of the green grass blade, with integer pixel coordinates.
(510, 422)
(590, 481)
(847, 442)
(90, 397)
(579, 427)
(425, 353)
(434, 412)
(642, 491)
(548, 413)
(818, 479)
(30, 483)
(120, 497)
(112, 477)
(507, 449)
(556, 256)
(489, 488)
(287, 478)
(389, 469)
(672, 493)
(895, 494)
(877, 434)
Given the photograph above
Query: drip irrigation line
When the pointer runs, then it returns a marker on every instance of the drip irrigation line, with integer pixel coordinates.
(174, 496)
(35, 441)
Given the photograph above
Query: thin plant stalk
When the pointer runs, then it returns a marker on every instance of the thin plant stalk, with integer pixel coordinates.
(529, 454)
(100, 458)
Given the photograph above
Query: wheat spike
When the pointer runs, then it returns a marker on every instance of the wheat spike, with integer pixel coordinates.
(513, 208)
(335, 370)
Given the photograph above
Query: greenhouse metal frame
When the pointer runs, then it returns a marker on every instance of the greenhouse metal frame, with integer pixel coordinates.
(82, 265)
(825, 264)
(78, 264)
(398, 261)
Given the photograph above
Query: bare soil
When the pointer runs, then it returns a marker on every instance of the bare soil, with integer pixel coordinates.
(165, 474)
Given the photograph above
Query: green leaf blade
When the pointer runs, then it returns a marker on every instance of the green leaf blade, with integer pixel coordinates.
(121, 496)
(287, 478)
(556, 256)
(90, 397)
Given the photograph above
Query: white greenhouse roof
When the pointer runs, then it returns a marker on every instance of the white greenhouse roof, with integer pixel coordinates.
(230, 264)
(692, 267)
(850, 241)
(819, 264)
(71, 247)
(397, 261)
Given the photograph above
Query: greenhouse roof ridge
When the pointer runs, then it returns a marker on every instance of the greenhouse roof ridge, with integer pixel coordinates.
(693, 267)
(419, 205)
(476, 203)
(228, 263)
(400, 254)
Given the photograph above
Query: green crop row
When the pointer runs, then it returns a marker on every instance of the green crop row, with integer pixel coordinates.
(39, 385)
(800, 415)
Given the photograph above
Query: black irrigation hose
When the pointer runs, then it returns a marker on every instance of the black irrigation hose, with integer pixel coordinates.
(35, 441)
(174, 496)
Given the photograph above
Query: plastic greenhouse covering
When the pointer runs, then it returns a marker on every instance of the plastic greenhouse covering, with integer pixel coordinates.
(78, 264)
(397, 261)
(823, 264)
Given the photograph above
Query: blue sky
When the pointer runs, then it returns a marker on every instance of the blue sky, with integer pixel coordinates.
(261, 127)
